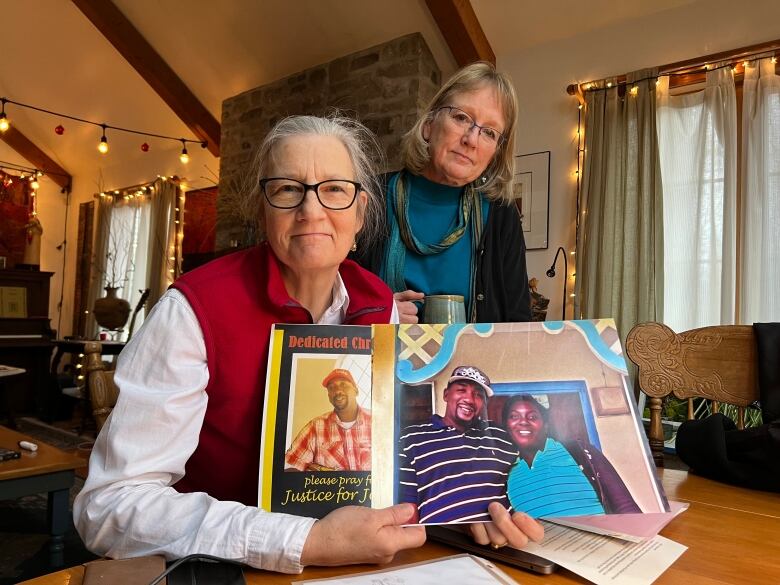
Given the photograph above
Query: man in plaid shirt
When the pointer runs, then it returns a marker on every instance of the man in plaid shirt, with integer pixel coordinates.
(339, 440)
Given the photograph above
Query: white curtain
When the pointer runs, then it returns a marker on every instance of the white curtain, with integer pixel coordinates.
(619, 240)
(697, 138)
(120, 257)
(129, 229)
(132, 222)
(137, 247)
(759, 295)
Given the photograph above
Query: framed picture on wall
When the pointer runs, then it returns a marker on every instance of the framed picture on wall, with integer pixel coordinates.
(532, 196)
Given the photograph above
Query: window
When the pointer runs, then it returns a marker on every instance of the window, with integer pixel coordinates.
(697, 147)
(721, 244)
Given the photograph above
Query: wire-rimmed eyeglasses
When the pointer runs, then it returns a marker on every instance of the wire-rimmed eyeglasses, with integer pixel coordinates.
(466, 123)
(284, 193)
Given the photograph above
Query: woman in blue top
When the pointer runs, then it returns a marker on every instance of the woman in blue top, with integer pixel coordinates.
(450, 217)
(551, 478)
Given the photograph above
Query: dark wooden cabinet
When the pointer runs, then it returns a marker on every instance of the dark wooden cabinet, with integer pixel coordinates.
(26, 342)
(36, 283)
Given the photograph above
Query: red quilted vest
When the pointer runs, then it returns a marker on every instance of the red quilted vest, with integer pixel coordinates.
(236, 299)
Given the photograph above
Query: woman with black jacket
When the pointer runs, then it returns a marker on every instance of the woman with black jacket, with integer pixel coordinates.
(450, 221)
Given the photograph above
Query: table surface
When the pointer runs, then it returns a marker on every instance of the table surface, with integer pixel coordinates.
(46, 459)
(731, 534)
(74, 345)
(10, 371)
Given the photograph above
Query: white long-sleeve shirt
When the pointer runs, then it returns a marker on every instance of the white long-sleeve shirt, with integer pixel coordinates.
(128, 507)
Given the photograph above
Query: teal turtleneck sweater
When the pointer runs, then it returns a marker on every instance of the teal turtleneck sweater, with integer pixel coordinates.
(432, 212)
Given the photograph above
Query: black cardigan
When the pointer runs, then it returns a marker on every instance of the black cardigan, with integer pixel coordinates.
(501, 283)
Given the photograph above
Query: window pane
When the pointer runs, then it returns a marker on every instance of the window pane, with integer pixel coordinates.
(698, 168)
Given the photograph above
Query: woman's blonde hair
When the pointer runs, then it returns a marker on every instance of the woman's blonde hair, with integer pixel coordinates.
(499, 174)
(363, 149)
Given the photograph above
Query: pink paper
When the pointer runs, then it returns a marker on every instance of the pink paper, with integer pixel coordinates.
(633, 527)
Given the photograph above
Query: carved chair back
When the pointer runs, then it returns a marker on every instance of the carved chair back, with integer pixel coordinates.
(103, 393)
(715, 363)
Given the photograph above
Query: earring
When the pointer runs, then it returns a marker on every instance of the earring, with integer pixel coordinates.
(354, 247)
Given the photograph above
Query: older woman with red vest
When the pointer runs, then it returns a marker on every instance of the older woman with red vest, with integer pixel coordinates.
(175, 469)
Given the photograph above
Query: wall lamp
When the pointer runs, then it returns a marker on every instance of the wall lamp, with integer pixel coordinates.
(551, 274)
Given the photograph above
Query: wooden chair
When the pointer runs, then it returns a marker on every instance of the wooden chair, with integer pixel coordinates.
(715, 363)
(102, 391)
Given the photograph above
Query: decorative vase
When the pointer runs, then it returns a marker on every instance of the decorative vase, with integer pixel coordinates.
(110, 311)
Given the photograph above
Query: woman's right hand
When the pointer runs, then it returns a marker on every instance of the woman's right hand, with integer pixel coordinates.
(407, 310)
(355, 534)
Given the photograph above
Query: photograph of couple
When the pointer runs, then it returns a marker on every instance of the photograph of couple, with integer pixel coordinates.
(535, 418)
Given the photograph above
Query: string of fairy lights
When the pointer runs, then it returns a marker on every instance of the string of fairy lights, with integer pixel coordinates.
(578, 181)
(136, 194)
(737, 66)
(102, 146)
(12, 173)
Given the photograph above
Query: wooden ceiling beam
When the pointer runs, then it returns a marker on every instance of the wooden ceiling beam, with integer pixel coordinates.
(36, 157)
(121, 33)
(461, 29)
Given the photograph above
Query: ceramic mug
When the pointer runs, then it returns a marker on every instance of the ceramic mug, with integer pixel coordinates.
(444, 309)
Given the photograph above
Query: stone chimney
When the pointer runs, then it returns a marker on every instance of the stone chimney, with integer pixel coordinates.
(386, 87)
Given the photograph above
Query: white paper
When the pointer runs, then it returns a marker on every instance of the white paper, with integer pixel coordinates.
(454, 569)
(605, 560)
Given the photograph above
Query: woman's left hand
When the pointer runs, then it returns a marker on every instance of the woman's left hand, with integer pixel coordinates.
(355, 534)
(513, 529)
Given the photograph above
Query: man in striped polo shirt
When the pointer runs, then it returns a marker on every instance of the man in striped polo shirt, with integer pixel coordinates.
(454, 466)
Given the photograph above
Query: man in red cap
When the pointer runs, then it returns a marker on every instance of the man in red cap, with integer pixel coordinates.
(339, 440)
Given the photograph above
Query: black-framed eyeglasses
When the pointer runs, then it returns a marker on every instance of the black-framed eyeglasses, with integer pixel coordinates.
(462, 121)
(284, 193)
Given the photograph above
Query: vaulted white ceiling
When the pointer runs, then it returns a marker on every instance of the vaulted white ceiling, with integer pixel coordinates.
(51, 56)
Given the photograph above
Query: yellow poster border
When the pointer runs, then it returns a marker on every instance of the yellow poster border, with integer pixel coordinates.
(269, 422)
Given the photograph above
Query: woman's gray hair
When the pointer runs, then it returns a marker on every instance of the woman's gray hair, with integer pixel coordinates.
(364, 152)
(499, 174)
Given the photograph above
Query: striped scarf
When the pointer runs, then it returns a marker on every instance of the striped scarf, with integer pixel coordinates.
(402, 237)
